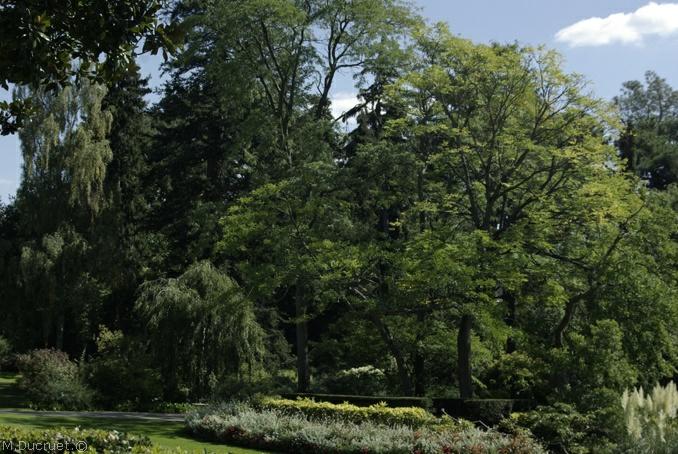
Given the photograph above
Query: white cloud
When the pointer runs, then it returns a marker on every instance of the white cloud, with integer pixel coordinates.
(343, 102)
(625, 28)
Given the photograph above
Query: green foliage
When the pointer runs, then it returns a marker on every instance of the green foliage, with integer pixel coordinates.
(560, 427)
(648, 141)
(478, 198)
(592, 364)
(202, 325)
(231, 387)
(377, 413)
(267, 429)
(52, 381)
(121, 373)
(516, 375)
(365, 380)
(39, 43)
(364, 401)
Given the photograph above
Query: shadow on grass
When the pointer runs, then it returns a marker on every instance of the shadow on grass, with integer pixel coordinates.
(10, 394)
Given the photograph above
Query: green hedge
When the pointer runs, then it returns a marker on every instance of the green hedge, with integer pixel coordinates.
(364, 401)
(17, 439)
(378, 413)
(489, 411)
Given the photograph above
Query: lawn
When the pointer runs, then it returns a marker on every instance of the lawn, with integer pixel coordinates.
(162, 433)
(10, 394)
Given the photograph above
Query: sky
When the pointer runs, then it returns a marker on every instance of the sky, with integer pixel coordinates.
(607, 41)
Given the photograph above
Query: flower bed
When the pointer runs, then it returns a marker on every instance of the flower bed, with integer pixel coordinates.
(244, 425)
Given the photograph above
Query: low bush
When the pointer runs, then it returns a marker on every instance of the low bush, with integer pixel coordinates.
(121, 375)
(367, 380)
(560, 427)
(16, 439)
(242, 424)
(363, 401)
(378, 413)
(52, 381)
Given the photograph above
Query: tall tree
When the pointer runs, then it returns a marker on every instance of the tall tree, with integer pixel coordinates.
(66, 152)
(649, 138)
(294, 50)
(500, 137)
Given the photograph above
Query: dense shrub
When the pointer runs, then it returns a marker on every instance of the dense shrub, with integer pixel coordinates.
(515, 375)
(238, 423)
(367, 380)
(5, 351)
(52, 381)
(121, 375)
(378, 413)
(560, 427)
(48, 441)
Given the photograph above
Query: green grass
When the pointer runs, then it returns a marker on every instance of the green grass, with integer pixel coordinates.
(10, 394)
(161, 433)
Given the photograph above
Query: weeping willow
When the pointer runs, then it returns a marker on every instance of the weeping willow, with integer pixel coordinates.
(202, 326)
(65, 145)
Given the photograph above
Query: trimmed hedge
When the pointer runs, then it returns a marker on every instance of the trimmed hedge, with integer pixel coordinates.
(57, 441)
(378, 413)
(489, 411)
(363, 401)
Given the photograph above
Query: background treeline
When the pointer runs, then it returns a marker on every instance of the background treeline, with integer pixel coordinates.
(477, 225)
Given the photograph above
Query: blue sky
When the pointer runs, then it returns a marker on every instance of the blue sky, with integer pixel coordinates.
(608, 41)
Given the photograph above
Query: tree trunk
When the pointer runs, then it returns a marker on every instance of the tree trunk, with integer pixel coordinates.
(60, 331)
(303, 374)
(419, 365)
(570, 307)
(559, 332)
(510, 319)
(464, 357)
(405, 382)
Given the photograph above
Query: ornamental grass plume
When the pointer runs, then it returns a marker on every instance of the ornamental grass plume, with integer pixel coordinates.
(649, 415)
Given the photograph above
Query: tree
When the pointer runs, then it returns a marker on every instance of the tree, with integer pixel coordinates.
(202, 327)
(66, 153)
(293, 51)
(500, 137)
(40, 40)
(650, 130)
